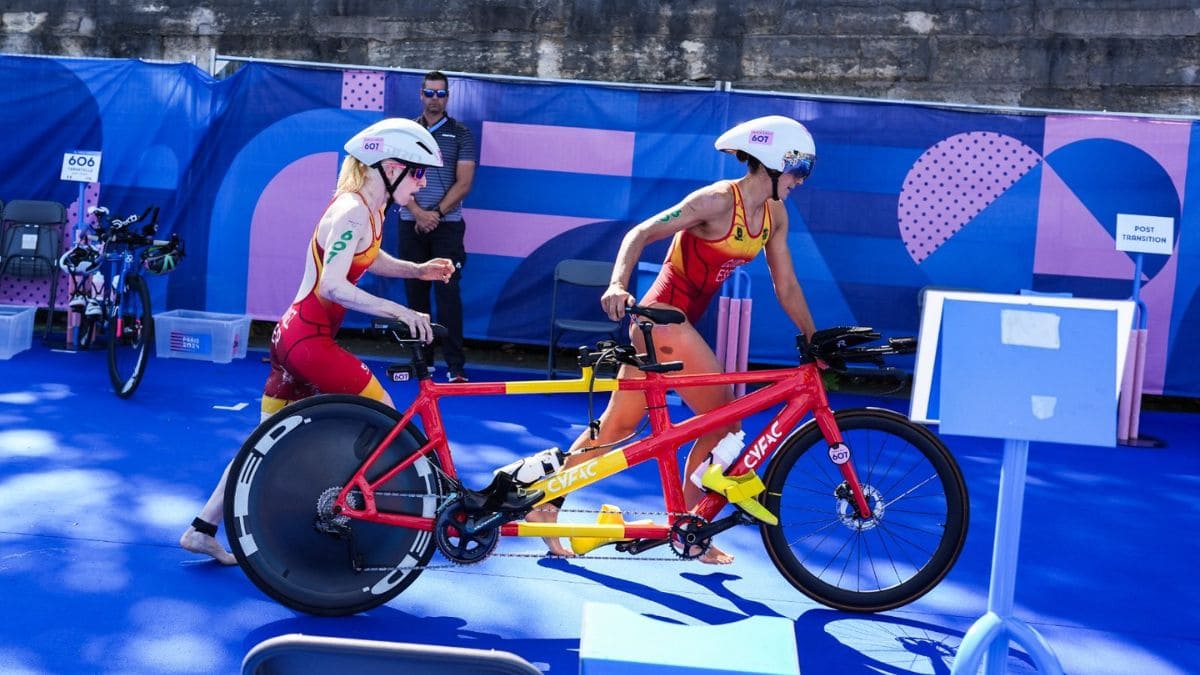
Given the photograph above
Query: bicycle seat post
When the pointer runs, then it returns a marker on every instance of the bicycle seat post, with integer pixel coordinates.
(651, 355)
(420, 367)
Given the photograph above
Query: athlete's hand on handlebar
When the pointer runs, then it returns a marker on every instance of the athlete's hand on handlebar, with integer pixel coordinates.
(615, 300)
(418, 323)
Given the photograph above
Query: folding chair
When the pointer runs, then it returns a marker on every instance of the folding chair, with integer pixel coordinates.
(31, 244)
(592, 277)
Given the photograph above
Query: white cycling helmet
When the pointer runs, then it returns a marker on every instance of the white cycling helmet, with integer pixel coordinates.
(79, 260)
(781, 144)
(397, 139)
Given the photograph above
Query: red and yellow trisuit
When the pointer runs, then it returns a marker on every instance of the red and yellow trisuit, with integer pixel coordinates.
(695, 268)
(305, 360)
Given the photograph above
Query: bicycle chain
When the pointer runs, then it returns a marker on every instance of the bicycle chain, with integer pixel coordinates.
(441, 499)
(425, 495)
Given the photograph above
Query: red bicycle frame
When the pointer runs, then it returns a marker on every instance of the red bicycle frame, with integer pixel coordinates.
(800, 389)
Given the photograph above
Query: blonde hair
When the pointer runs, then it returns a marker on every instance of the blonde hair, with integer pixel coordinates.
(352, 177)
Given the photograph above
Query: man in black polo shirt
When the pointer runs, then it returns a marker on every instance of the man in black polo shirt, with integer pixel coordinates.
(431, 225)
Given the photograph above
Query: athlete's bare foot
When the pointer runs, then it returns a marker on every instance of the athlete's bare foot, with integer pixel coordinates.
(549, 514)
(198, 542)
(715, 556)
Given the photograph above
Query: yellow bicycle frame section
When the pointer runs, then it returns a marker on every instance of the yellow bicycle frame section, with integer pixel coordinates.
(580, 475)
(581, 385)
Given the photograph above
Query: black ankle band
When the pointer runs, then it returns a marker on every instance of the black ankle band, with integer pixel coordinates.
(204, 527)
(558, 502)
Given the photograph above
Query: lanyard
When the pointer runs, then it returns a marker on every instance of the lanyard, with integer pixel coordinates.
(445, 118)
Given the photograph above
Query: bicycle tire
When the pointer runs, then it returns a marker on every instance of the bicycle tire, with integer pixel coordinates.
(129, 350)
(873, 565)
(276, 484)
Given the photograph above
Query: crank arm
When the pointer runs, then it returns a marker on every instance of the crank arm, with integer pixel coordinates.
(708, 531)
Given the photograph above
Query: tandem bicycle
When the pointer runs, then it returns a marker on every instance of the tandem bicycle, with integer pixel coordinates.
(337, 503)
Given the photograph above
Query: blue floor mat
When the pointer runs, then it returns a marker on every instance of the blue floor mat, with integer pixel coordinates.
(95, 491)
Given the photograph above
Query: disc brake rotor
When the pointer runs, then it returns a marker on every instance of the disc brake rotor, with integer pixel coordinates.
(849, 515)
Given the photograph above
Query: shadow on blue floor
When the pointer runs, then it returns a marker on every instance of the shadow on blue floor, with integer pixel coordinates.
(94, 492)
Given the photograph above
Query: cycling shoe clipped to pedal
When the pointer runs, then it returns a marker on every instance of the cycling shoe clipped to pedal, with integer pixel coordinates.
(503, 495)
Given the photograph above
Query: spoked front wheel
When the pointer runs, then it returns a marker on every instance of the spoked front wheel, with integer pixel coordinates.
(825, 546)
(130, 337)
(279, 507)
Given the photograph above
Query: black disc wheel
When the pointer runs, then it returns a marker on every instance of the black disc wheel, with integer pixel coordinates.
(279, 506)
(825, 546)
(131, 335)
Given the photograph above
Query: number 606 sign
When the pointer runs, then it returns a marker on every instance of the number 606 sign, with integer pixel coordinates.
(82, 166)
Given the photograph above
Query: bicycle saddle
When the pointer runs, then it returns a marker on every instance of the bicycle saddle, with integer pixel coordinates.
(658, 315)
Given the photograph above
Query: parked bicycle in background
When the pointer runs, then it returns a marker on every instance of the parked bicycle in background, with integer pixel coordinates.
(108, 291)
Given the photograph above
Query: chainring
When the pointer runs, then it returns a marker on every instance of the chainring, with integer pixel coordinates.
(458, 546)
(683, 539)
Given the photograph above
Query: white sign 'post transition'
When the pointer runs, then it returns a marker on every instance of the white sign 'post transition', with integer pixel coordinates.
(1145, 234)
(1139, 234)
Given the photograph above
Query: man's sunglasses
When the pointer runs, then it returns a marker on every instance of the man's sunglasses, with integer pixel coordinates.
(440, 93)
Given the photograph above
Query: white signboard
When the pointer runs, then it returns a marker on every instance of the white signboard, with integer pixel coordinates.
(1145, 234)
(1029, 321)
(82, 166)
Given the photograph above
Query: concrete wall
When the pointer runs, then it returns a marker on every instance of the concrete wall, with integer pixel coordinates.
(1116, 55)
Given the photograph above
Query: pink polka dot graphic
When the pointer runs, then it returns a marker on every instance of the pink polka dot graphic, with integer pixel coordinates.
(362, 90)
(954, 181)
(91, 197)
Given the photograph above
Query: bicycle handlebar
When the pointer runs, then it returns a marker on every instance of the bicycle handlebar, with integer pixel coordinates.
(838, 346)
(835, 347)
(117, 231)
(400, 332)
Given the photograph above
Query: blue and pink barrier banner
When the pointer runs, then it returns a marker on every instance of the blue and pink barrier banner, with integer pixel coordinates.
(903, 197)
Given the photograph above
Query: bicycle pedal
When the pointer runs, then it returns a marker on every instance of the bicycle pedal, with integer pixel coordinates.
(740, 491)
